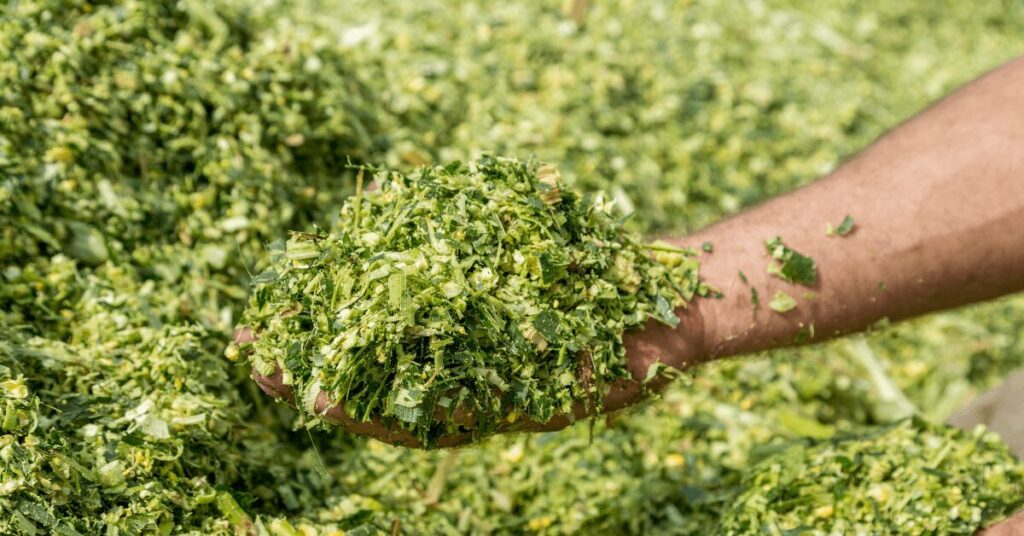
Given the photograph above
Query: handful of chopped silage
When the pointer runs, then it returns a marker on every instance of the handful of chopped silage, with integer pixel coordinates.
(488, 287)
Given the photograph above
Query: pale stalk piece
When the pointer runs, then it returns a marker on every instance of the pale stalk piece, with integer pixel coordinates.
(234, 513)
(440, 477)
(891, 403)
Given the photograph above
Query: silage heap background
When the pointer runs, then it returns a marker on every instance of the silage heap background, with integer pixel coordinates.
(128, 228)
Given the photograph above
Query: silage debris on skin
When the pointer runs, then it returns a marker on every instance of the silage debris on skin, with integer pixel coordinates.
(476, 287)
(844, 229)
(781, 302)
(790, 265)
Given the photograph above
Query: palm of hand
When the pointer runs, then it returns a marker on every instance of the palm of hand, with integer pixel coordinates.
(656, 343)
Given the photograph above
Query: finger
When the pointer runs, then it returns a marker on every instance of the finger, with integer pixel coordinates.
(377, 429)
(274, 385)
(244, 335)
(460, 416)
(335, 413)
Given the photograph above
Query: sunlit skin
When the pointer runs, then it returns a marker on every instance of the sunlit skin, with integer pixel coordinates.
(939, 210)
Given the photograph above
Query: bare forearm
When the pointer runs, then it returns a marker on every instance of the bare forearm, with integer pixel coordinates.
(939, 206)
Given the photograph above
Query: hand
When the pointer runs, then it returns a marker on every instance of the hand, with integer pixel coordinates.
(1011, 527)
(677, 348)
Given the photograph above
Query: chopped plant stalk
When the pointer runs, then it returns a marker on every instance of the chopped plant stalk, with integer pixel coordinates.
(477, 286)
(890, 404)
(789, 264)
(234, 513)
(804, 426)
(782, 302)
(707, 247)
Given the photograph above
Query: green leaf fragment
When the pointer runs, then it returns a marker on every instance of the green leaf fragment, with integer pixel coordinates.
(664, 311)
(805, 426)
(804, 335)
(782, 302)
(790, 264)
(86, 243)
(846, 227)
(301, 248)
(547, 324)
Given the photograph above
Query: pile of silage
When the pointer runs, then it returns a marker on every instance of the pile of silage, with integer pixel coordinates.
(684, 110)
(131, 417)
